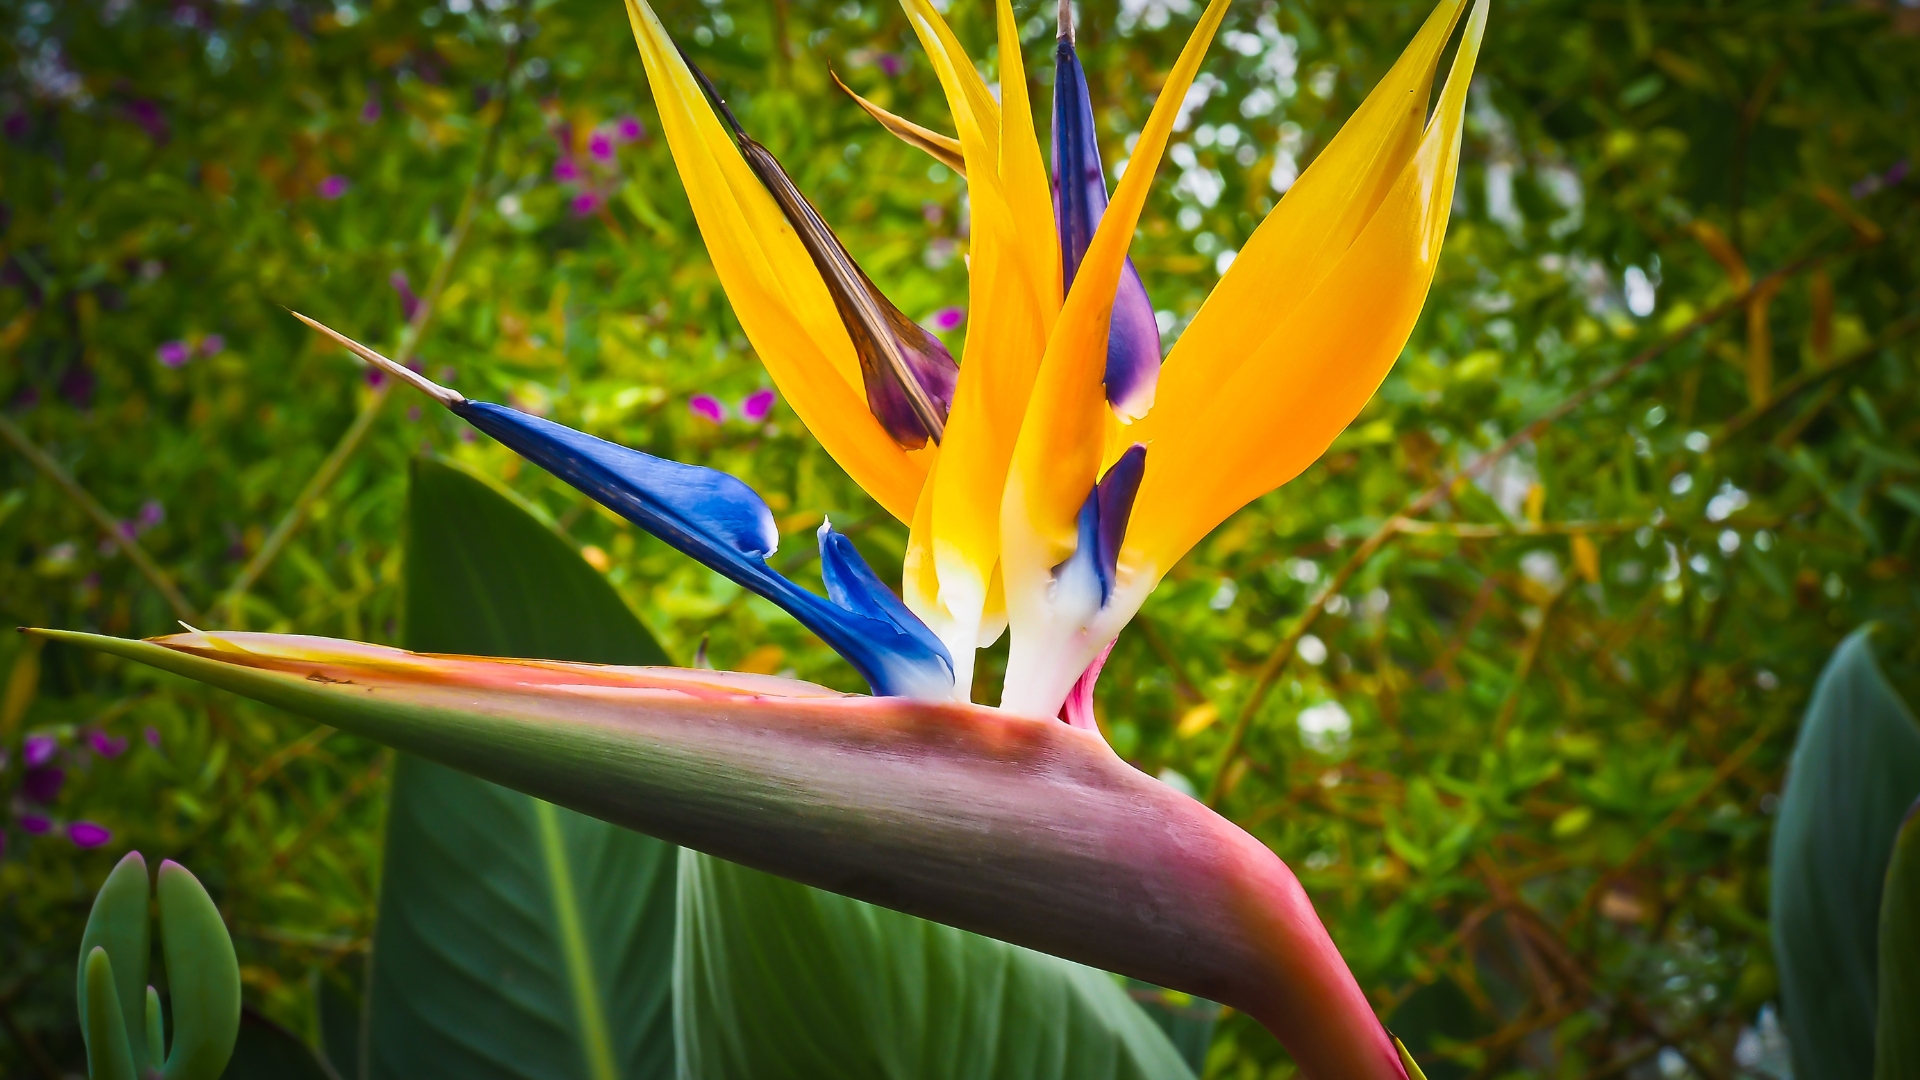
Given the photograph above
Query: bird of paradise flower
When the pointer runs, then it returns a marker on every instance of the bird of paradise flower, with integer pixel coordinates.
(1048, 483)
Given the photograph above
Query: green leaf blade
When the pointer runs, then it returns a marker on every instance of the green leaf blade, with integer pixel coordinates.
(1855, 770)
(777, 980)
(500, 949)
(1897, 1049)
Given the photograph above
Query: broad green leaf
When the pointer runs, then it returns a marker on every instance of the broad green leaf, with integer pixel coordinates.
(1855, 770)
(1897, 1054)
(515, 938)
(773, 979)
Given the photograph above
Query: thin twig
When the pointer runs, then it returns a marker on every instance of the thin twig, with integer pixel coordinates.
(108, 524)
(323, 478)
(1528, 655)
(1276, 662)
(1888, 334)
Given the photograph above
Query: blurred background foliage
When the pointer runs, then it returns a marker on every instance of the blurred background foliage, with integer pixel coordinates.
(1510, 677)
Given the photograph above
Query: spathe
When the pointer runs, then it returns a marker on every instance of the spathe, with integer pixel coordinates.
(1029, 831)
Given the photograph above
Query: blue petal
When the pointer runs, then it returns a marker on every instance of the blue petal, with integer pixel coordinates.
(1103, 522)
(1079, 200)
(723, 524)
(916, 655)
(1115, 494)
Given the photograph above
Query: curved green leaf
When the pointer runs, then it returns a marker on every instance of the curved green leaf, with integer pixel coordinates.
(515, 938)
(203, 977)
(108, 1057)
(1897, 1055)
(119, 923)
(1855, 770)
(774, 979)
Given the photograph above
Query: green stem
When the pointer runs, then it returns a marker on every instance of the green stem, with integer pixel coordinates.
(108, 524)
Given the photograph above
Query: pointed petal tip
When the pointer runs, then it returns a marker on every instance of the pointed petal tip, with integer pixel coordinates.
(405, 374)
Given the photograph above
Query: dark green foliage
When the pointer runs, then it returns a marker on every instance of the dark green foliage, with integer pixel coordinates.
(267, 1051)
(1855, 772)
(515, 938)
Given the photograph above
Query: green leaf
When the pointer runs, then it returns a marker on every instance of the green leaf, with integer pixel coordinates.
(1855, 770)
(1897, 1056)
(203, 977)
(774, 979)
(119, 924)
(515, 938)
(100, 1016)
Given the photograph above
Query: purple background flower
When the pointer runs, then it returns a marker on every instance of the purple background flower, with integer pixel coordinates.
(755, 406)
(948, 318)
(107, 746)
(39, 750)
(173, 353)
(409, 303)
(707, 407)
(629, 129)
(42, 785)
(86, 834)
(333, 187)
(212, 345)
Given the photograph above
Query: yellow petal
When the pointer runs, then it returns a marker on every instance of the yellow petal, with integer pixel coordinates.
(1302, 239)
(1062, 439)
(976, 115)
(942, 148)
(1320, 364)
(778, 295)
(1014, 274)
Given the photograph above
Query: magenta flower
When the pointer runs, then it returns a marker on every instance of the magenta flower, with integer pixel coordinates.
(370, 112)
(409, 303)
(891, 65)
(212, 345)
(755, 406)
(376, 378)
(948, 318)
(153, 736)
(707, 407)
(333, 187)
(173, 353)
(628, 129)
(86, 834)
(585, 203)
(35, 825)
(107, 746)
(151, 513)
(600, 145)
(566, 170)
(39, 750)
